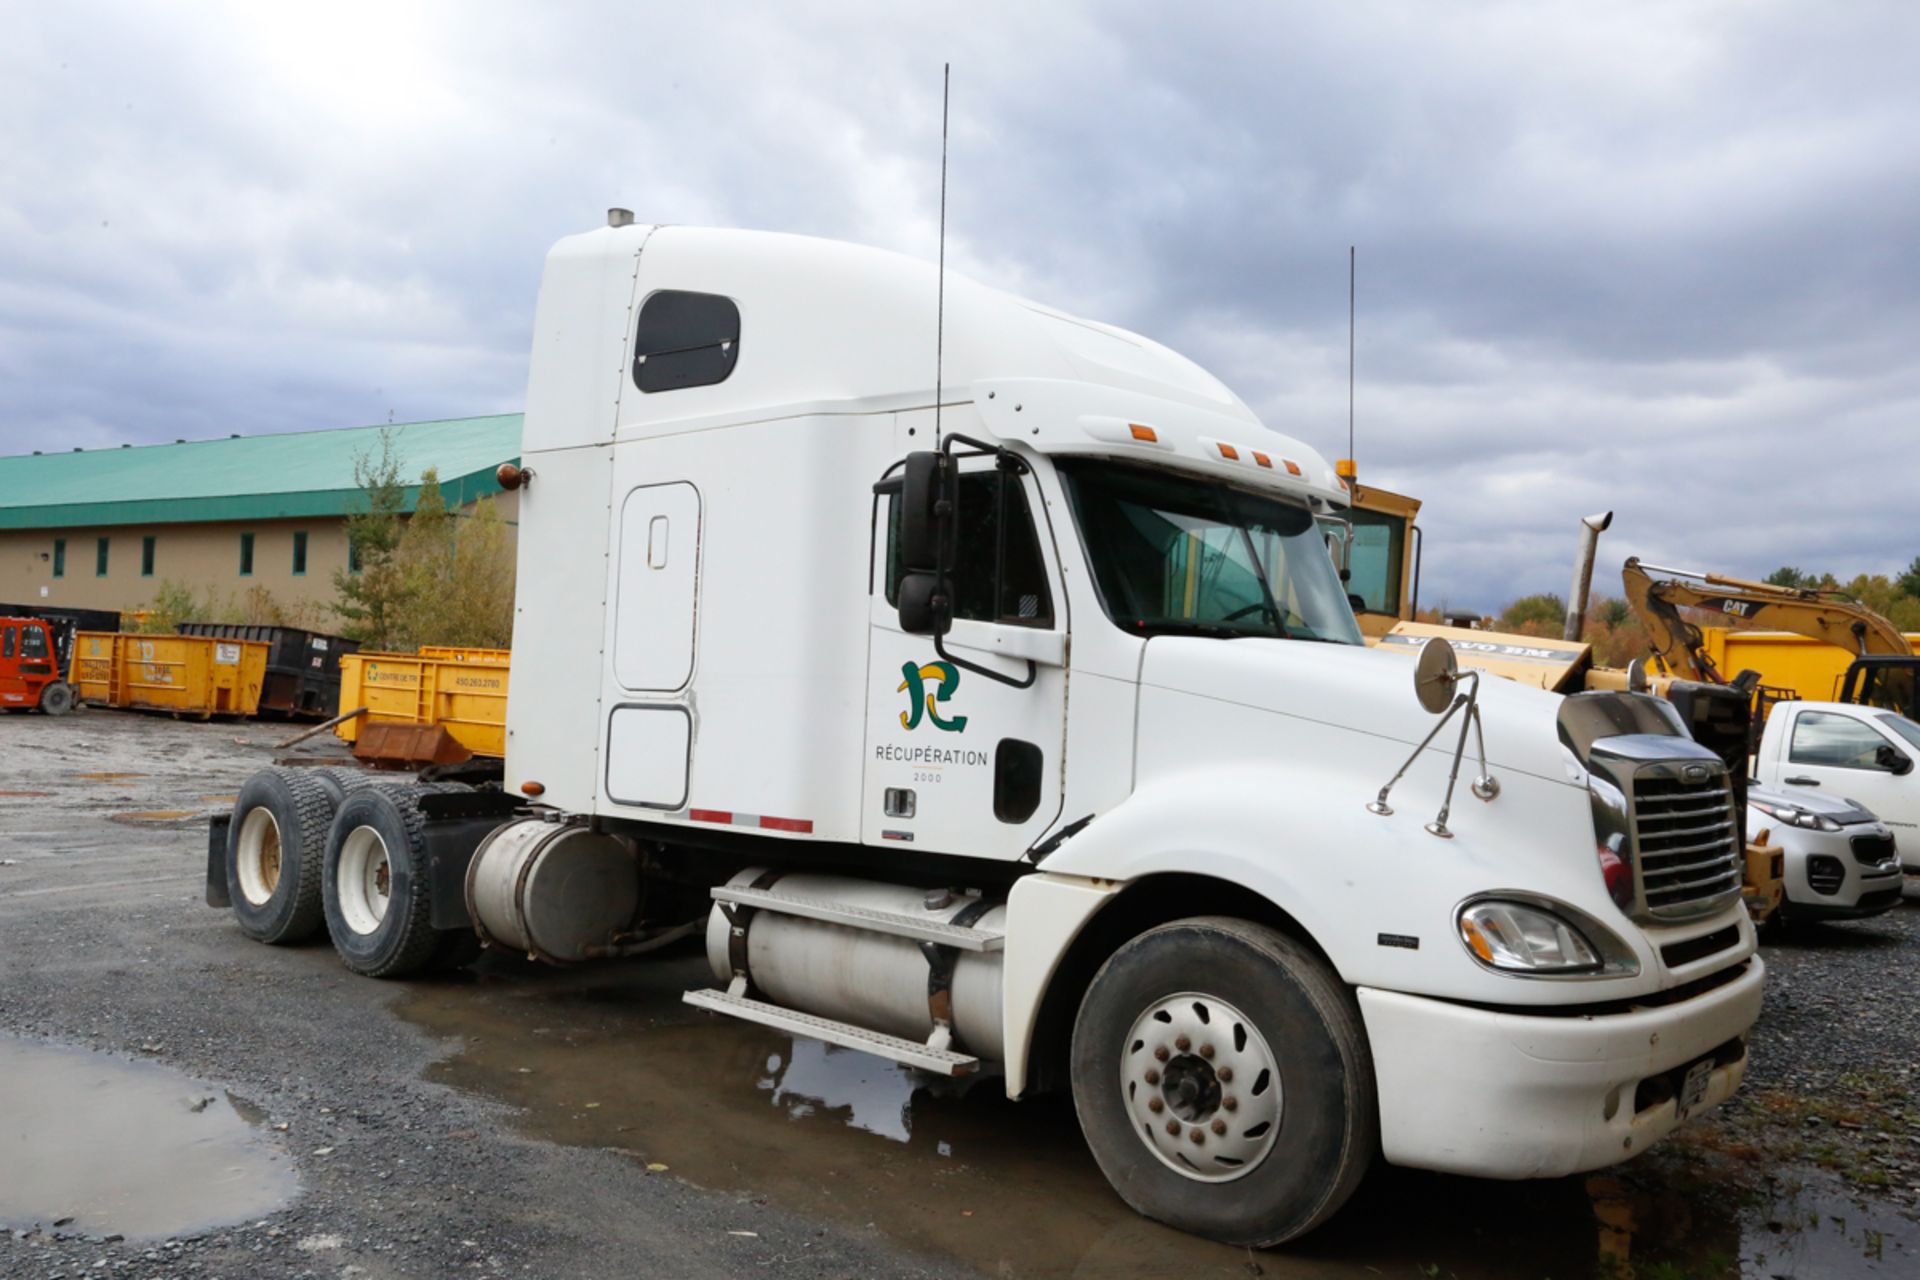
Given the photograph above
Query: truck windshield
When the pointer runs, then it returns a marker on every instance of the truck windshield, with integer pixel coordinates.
(1179, 555)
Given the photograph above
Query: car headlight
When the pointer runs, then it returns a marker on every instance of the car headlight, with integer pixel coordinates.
(1519, 938)
(1794, 816)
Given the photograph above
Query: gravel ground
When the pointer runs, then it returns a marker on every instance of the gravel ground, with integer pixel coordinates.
(105, 943)
(1835, 1077)
(425, 1152)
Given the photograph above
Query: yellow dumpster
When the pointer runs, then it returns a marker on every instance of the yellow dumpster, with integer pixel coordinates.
(464, 690)
(1810, 669)
(201, 676)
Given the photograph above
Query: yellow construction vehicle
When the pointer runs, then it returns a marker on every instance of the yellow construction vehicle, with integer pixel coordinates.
(1882, 670)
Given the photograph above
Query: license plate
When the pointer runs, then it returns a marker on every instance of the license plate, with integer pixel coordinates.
(1693, 1091)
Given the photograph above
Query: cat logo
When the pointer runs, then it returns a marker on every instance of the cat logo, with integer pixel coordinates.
(922, 700)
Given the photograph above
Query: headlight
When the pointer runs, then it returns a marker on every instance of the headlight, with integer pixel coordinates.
(1794, 816)
(1524, 939)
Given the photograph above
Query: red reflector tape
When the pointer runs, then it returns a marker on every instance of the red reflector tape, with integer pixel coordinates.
(726, 818)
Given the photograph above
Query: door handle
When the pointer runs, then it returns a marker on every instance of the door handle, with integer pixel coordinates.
(1801, 782)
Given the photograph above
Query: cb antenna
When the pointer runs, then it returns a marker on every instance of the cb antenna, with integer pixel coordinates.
(1350, 275)
(940, 303)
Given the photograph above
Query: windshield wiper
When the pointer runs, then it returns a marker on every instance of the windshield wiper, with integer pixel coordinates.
(1196, 627)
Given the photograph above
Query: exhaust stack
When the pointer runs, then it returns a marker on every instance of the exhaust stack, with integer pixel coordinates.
(1591, 527)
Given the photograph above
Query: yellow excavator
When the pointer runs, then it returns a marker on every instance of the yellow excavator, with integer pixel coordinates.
(1884, 666)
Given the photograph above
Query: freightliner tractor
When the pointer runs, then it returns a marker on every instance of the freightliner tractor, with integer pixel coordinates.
(977, 679)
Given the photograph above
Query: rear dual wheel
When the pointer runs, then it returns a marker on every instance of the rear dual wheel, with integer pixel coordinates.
(376, 887)
(1223, 1081)
(275, 845)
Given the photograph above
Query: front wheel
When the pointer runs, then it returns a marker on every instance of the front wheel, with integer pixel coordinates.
(57, 698)
(1223, 1081)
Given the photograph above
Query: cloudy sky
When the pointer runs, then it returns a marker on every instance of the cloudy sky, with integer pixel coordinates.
(1656, 257)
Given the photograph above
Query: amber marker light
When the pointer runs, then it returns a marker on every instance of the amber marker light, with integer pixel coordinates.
(1476, 940)
(1228, 451)
(1293, 468)
(1144, 433)
(1263, 460)
(533, 788)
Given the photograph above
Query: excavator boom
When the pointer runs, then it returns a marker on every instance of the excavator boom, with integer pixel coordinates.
(1819, 614)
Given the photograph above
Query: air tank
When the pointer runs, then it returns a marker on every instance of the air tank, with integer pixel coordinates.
(869, 979)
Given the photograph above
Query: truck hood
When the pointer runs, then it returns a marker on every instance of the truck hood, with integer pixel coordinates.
(1362, 690)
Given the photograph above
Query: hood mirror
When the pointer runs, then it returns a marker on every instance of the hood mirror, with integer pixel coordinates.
(1435, 674)
(1637, 676)
(1436, 683)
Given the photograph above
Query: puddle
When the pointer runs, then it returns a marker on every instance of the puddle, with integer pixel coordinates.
(127, 1148)
(24, 794)
(608, 1057)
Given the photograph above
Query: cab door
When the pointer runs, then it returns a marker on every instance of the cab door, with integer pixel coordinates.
(965, 749)
(1846, 755)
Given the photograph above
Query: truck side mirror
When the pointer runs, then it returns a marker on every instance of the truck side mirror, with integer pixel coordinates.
(928, 502)
(1893, 760)
(926, 606)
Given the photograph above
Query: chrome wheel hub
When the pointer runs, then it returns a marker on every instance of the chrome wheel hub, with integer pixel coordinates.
(1201, 1086)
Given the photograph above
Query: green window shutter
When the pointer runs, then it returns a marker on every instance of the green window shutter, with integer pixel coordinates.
(299, 554)
(246, 555)
(100, 557)
(146, 556)
(59, 557)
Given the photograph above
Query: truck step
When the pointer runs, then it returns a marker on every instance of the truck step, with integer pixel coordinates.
(962, 937)
(943, 1062)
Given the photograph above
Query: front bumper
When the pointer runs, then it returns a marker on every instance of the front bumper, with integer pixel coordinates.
(1499, 1094)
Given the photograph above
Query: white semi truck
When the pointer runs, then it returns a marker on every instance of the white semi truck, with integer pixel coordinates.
(1024, 725)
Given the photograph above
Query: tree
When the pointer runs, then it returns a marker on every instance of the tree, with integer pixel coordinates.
(458, 574)
(1909, 582)
(1786, 576)
(1534, 615)
(372, 595)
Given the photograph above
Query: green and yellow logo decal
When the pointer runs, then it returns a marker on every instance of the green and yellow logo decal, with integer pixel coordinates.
(926, 687)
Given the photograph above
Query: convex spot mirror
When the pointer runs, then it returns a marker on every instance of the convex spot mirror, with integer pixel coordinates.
(926, 607)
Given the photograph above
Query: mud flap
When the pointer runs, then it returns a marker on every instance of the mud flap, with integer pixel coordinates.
(217, 860)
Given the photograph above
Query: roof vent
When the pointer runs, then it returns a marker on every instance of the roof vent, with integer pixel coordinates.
(619, 217)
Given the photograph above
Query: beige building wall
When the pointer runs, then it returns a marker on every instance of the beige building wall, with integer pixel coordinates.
(203, 557)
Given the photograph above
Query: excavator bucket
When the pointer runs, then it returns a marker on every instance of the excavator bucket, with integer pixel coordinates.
(408, 746)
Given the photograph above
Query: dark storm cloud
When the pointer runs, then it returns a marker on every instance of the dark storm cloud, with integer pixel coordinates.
(1659, 258)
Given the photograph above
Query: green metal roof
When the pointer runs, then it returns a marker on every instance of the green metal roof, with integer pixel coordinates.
(266, 477)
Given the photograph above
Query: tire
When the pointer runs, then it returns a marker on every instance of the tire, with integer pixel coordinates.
(374, 885)
(342, 780)
(56, 699)
(1251, 1005)
(275, 846)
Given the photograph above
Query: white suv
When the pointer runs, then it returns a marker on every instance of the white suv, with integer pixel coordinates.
(1841, 861)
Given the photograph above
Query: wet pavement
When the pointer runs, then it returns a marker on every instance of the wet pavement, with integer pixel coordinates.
(105, 1147)
(608, 1057)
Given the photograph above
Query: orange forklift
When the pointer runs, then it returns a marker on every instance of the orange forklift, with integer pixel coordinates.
(29, 671)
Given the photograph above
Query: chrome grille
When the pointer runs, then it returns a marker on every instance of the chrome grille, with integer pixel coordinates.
(1871, 851)
(1686, 841)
